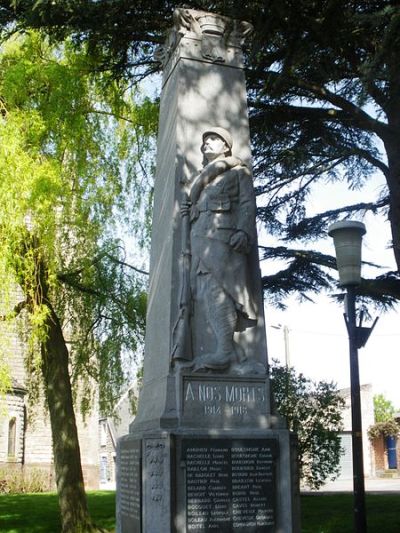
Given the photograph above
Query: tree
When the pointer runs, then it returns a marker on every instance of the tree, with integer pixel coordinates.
(385, 423)
(313, 411)
(71, 139)
(325, 108)
(383, 408)
(323, 86)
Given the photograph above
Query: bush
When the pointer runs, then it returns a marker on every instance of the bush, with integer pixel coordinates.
(390, 428)
(313, 411)
(19, 480)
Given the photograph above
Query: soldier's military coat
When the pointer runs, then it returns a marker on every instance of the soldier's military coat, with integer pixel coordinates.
(223, 206)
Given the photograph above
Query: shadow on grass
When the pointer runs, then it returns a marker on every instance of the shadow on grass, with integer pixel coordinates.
(23, 513)
(38, 513)
(333, 513)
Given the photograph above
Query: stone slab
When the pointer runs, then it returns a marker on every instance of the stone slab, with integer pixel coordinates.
(130, 485)
(230, 485)
(224, 402)
(199, 482)
(144, 478)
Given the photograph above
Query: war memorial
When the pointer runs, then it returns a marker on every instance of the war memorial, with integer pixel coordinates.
(205, 452)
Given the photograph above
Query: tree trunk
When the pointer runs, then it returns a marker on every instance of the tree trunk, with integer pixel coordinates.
(392, 146)
(70, 486)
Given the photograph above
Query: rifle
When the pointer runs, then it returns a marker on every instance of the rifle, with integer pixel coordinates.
(181, 334)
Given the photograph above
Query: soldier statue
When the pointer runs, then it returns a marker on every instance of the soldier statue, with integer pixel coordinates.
(221, 213)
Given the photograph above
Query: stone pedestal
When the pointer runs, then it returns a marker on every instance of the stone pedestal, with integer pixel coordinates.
(227, 467)
(204, 453)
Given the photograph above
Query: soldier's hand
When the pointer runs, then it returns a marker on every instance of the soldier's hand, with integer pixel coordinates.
(185, 208)
(240, 242)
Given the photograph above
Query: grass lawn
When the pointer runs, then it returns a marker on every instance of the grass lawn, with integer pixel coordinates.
(38, 513)
(334, 513)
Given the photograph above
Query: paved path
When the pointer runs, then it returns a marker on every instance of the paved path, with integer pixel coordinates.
(371, 485)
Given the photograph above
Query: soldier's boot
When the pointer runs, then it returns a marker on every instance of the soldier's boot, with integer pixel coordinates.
(223, 319)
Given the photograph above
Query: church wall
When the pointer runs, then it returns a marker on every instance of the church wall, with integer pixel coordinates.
(33, 440)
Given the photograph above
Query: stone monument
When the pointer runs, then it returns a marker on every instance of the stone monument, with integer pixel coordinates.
(205, 453)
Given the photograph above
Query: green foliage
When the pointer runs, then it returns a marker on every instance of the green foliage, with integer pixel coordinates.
(323, 90)
(5, 378)
(73, 174)
(385, 425)
(320, 113)
(313, 411)
(383, 409)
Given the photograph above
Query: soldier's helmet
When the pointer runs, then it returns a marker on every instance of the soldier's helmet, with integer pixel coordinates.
(221, 132)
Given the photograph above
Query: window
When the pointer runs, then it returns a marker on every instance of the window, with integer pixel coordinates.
(12, 437)
(103, 469)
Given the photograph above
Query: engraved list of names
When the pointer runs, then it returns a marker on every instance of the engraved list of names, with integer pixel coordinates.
(230, 485)
(129, 493)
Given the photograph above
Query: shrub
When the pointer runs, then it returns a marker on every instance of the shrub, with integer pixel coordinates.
(19, 480)
(390, 428)
(313, 410)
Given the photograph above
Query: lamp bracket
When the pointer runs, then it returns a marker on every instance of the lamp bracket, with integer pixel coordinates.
(362, 333)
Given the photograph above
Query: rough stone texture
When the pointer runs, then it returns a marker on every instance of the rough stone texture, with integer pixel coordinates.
(11, 345)
(147, 462)
(38, 444)
(107, 455)
(33, 432)
(16, 410)
(379, 455)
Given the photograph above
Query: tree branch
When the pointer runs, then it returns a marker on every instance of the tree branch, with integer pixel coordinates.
(66, 276)
(363, 119)
(15, 312)
(123, 263)
(109, 114)
(316, 225)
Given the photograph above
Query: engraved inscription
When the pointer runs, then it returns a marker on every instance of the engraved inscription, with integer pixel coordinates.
(252, 475)
(207, 488)
(155, 453)
(130, 482)
(230, 485)
(231, 400)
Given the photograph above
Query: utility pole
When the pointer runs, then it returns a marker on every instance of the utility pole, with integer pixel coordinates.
(286, 331)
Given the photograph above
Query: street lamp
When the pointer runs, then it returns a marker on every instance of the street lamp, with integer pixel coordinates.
(347, 236)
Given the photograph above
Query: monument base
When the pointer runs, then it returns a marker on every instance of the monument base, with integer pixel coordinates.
(189, 481)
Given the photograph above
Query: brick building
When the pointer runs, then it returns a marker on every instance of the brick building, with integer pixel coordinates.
(381, 464)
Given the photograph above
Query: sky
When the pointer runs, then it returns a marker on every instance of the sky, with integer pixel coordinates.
(318, 341)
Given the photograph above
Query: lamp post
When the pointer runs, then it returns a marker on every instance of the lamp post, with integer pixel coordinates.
(347, 236)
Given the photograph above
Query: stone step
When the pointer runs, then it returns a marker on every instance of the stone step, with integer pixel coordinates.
(390, 474)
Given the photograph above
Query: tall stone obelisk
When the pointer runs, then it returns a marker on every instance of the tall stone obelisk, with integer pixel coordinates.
(204, 452)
